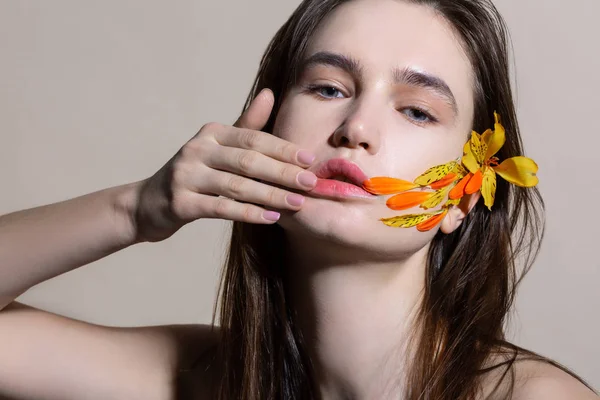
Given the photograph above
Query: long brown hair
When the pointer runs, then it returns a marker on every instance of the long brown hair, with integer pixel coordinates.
(469, 291)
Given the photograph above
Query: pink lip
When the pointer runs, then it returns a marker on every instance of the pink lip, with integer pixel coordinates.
(338, 189)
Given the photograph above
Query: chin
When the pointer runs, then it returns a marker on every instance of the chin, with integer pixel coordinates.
(352, 225)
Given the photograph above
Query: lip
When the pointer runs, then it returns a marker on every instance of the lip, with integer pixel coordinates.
(338, 189)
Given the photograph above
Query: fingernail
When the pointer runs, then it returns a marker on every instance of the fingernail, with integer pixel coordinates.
(305, 157)
(271, 215)
(307, 178)
(295, 199)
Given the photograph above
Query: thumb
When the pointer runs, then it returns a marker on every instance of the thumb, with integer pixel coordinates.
(257, 115)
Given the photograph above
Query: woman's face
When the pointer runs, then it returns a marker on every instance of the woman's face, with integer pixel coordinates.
(390, 89)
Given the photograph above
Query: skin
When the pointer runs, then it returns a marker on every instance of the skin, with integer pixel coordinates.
(353, 286)
(377, 123)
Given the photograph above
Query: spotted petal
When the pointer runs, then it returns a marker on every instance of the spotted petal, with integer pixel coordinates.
(478, 147)
(407, 221)
(460, 171)
(485, 136)
(436, 198)
(452, 202)
(469, 160)
(436, 173)
(520, 171)
(488, 187)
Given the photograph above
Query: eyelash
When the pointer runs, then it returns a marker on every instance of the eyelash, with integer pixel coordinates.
(314, 90)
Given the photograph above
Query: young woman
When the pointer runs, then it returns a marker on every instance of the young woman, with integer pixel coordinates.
(319, 298)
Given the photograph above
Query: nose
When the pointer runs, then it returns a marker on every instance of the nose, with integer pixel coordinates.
(360, 129)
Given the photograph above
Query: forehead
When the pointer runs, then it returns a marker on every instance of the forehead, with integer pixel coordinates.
(387, 34)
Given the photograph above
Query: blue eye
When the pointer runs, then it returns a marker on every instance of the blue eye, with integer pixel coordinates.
(327, 92)
(418, 116)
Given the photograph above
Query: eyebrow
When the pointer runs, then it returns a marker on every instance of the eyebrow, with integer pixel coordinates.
(407, 76)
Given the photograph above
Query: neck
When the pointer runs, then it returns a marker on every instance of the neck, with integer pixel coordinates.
(355, 315)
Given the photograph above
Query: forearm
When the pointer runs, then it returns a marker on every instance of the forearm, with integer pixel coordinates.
(44, 242)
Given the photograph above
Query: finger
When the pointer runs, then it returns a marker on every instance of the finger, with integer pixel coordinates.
(258, 113)
(249, 191)
(223, 208)
(266, 144)
(254, 164)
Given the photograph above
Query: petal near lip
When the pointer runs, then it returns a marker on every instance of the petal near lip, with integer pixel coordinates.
(385, 185)
(408, 200)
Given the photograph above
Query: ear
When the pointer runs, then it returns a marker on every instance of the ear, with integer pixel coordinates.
(457, 214)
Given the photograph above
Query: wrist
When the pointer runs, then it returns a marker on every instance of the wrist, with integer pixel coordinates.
(125, 201)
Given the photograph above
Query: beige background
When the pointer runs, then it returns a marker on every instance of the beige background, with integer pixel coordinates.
(95, 94)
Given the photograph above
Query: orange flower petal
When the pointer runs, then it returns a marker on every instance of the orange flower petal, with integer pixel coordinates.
(403, 201)
(385, 185)
(458, 191)
(432, 222)
(474, 183)
(445, 181)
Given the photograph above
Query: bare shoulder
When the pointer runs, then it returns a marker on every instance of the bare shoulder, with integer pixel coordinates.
(540, 380)
(519, 375)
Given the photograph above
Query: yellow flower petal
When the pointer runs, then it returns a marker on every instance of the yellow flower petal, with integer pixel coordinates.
(469, 160)
(452, 202)
(435, 173)
(460, 171)
(485, 136)
(478, 147)
(488, 187)
(467, 146)
(520, 171)
(495, 141)
(436, 198)
(407, 221)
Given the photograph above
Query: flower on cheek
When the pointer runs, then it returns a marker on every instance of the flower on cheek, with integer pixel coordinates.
(475, 171)
(479, 159)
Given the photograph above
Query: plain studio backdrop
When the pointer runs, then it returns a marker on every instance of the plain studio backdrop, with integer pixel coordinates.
(100, 93)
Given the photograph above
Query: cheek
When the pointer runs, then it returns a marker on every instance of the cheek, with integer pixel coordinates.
(304, 122)
(408, 154)
(336, 223)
